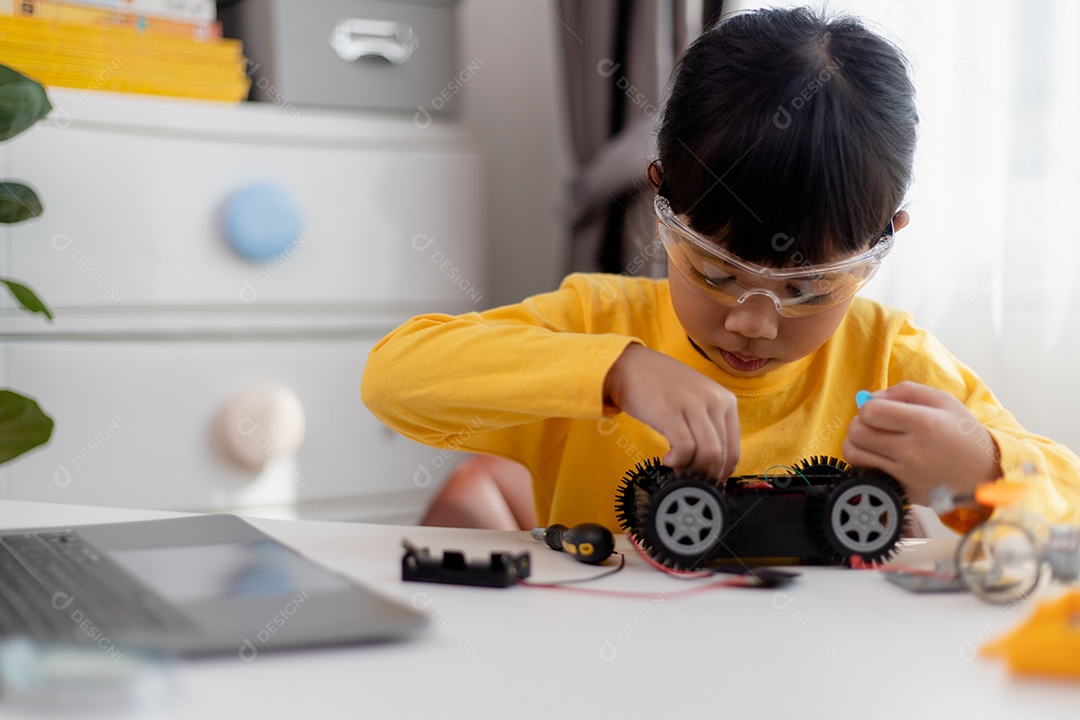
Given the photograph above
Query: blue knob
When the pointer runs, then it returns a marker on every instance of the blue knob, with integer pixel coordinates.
(262, 221)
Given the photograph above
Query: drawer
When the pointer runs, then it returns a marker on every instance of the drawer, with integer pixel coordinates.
(136, 426)
(318, 53)
(134, 219)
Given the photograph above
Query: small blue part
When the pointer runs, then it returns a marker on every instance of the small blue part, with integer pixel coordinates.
(262, 221)
(862, 397)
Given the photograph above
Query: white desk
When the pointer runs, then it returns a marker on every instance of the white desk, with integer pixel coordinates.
(835, 644)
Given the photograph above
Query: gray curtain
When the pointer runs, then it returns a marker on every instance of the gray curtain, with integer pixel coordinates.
(618, 56)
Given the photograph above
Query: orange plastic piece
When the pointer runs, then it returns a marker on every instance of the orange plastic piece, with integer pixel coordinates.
(1047, 644)
(962, 520)
(1000, 493)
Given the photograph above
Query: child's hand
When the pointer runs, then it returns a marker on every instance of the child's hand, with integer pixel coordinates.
(923, 437)
(698, 417)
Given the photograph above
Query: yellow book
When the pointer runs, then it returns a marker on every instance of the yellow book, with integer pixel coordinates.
(53, 33)
(106, 61)
(120, 72)
(52, 77)
(110, 18)
(75, 55)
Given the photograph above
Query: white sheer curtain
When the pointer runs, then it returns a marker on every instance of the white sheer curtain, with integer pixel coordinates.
(991, 258)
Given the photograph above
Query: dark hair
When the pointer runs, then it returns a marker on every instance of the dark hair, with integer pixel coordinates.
(791, 134)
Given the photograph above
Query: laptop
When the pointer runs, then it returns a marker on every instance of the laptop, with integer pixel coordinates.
(206, 584)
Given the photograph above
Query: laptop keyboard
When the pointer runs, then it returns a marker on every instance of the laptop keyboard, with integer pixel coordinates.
(54, 586)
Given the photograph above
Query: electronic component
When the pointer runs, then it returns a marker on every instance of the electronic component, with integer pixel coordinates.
(925, 582)
(758, 577)
(588, 542)
(1002, 558)
(502, 570)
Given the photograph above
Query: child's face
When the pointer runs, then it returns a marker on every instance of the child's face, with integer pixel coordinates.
(751, 338)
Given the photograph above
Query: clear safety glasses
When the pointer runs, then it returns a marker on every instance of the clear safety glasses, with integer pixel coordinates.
(795, 291)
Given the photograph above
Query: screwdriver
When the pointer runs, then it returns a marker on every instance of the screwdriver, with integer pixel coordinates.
(588, 542)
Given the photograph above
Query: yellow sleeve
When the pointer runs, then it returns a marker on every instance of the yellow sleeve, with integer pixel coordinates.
(457, 381)
(1054, 486)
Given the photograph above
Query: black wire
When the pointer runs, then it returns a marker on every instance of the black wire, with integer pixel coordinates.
(606, 573)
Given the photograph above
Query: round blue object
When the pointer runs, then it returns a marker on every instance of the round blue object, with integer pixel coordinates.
(262, 221)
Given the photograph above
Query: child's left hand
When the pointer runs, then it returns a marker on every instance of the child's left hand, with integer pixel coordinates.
(924, 438)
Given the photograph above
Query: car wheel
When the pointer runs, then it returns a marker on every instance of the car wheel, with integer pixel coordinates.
(685, 522)
(864, 516)
(636, 490)
(822, 468)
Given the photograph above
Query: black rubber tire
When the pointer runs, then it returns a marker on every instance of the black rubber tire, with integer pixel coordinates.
(636, 490)
(865, 516)
(685, 522)
(823, 467)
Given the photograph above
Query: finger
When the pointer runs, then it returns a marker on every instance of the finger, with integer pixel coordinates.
(710, 453)
(915, 394)
(861, 456)
(725, 419)
(730, 436)
(870, 447)
(681, 441)
(894, 416)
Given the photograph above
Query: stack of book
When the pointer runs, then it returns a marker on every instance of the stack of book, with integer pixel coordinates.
(156, 47)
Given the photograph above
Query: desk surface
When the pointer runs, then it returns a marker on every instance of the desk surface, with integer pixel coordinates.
(835, 644)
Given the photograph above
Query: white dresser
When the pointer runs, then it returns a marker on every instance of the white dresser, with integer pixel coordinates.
(159, 323)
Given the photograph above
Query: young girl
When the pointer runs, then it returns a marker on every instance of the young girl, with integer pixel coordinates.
(785, 152)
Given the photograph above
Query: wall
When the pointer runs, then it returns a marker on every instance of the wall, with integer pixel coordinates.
(514, 103)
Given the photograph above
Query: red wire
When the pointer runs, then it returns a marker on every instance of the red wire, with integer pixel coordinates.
(682, 574)
(633, 594)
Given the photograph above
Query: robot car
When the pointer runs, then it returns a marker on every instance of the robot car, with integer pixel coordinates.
(820, 511)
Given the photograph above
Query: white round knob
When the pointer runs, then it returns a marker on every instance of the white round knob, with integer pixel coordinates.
(262, 423)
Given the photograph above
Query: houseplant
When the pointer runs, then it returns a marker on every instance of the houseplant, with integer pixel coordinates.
(23, 425)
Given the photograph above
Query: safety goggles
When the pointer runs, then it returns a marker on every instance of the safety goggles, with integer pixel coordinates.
(795, 291)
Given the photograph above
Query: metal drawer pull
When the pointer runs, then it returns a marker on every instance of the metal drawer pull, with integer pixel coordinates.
(354, 38)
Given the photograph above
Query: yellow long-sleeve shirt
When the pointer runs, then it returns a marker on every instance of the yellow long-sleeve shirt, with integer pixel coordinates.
(525, 382)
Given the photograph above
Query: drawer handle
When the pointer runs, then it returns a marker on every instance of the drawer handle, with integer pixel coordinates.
(260, 424)
(262, 221)
(354, 38)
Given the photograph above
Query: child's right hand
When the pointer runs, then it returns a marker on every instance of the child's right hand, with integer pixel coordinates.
(698, 417)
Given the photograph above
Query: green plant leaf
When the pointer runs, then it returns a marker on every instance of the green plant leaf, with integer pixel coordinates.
(22, 102)
(23, 426)
(18, 202)
(26, 297)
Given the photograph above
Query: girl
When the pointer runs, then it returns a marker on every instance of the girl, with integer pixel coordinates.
(785, 152)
